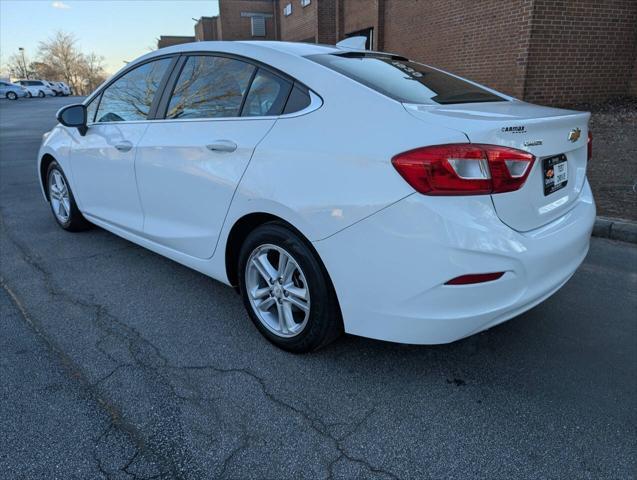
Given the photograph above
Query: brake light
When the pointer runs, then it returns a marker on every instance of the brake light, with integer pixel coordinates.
(464, 169)
(589, 146)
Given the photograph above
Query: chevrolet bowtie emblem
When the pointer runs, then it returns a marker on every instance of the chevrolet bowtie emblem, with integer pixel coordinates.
(574, 135)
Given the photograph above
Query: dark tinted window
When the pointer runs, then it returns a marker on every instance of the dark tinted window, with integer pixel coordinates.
(298, 100)
(405, 81)
(210, 87)
(131, 96)
(267, 95)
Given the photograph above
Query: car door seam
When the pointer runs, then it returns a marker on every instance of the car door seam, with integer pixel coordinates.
(139, 196)
(236, 188)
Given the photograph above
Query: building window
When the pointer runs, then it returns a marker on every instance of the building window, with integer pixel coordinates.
(287, 10)
(305, 3)
(258, 26)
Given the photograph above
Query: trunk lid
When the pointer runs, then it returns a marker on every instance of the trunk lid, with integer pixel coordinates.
(545, 132)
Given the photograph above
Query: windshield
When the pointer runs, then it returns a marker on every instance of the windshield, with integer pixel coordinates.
(403, 80)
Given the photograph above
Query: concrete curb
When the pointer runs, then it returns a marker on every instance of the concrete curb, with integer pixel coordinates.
(615, 229)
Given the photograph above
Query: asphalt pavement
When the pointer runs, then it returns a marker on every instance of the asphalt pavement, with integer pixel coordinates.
(118, 363)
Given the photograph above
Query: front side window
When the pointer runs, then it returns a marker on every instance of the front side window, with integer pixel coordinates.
(403, 80)
(91, 109)
(130, 97)
(210, 87)
(267, 95)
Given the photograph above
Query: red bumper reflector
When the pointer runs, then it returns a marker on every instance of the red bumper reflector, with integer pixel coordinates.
(474, 278)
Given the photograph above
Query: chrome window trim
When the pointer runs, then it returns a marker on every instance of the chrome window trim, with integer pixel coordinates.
(316, 102)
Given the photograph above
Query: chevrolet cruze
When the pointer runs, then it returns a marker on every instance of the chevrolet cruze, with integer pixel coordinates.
(336, 189)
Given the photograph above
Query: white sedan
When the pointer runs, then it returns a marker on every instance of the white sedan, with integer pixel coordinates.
(37, 88)
(336, 189)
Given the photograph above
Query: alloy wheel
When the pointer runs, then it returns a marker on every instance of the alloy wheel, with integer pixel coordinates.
(277, 290)
(60, 197)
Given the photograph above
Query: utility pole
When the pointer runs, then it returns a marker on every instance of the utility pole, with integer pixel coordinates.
(24, 63)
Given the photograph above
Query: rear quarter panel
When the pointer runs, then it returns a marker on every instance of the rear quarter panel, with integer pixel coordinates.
(328, 169)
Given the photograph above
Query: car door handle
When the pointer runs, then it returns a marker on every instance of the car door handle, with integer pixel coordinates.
(124, 146)
(222, 146)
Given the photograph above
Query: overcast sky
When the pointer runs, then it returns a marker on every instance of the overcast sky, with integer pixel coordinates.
(118, 30)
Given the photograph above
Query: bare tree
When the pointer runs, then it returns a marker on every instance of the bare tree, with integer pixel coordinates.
(59, 58)
(43, 70)
(60, 51)
(92, 71)
(18, 66)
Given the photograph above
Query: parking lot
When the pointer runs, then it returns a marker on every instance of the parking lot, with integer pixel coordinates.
(118, 363)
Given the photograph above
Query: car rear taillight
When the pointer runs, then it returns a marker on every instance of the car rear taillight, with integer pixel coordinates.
(589, 147)
(464, 169)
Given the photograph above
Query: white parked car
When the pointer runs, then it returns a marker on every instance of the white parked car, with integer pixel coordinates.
(36, 88)
(64, 88)
(337, 189)
(55, 88)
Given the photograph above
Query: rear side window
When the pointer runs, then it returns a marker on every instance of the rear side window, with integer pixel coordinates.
(210, 87)
(405, 81)
(267, 95)
(131, 96)
(298, 100)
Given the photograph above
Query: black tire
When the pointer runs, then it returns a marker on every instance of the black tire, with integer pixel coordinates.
(324, 324)
(41, 94)
(29, 94)
(12, 95)
(76, 221)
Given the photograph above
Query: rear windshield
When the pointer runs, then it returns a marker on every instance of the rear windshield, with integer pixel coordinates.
(405, 81)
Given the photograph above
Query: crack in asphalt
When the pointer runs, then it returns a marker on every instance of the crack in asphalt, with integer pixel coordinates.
(150, 362)
(117, 418)
(314, 422)
(76, 373)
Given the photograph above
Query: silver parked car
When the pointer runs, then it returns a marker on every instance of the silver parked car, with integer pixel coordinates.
(11, 91)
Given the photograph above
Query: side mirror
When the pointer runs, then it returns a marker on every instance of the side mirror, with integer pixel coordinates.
(73, 116)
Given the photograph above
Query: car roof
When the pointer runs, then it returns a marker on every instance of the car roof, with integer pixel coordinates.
(281, 55)
(260, 50)
(293, 48)
(250, 48)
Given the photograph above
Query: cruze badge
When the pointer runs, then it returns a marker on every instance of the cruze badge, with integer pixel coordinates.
(514, 129)
(574, 135)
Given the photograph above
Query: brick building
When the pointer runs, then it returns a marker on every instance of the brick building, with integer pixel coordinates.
(170, 40)
(555, 52)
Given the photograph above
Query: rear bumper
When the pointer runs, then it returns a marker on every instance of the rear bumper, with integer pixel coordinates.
(389, 270)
